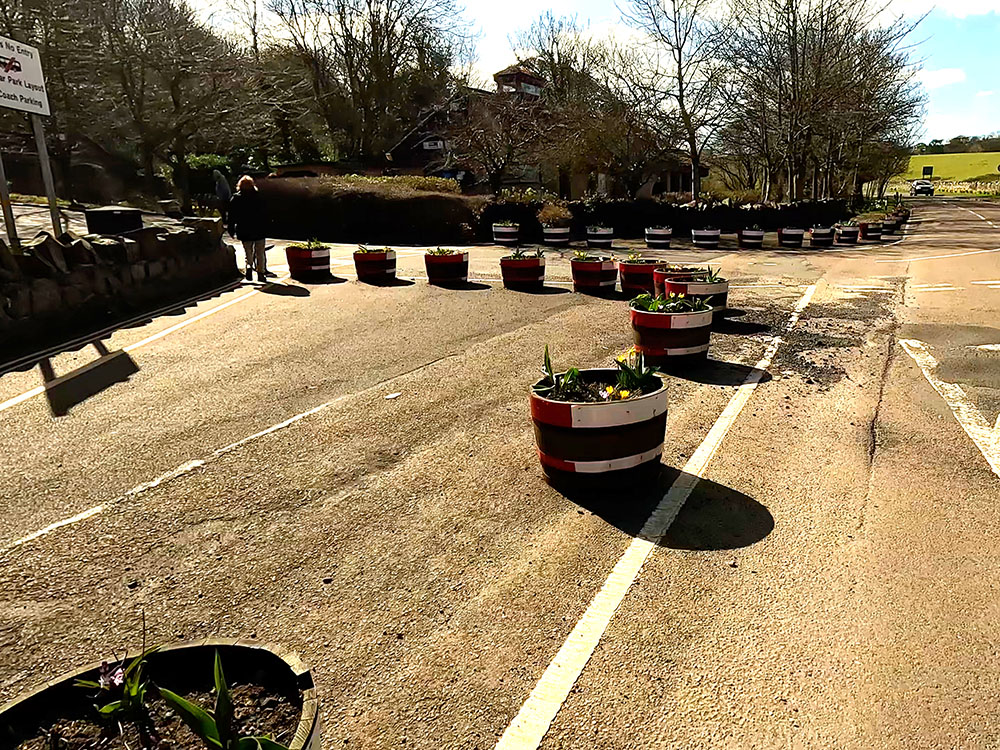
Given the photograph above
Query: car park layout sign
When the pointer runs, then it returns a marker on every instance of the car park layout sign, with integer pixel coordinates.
(22, 85)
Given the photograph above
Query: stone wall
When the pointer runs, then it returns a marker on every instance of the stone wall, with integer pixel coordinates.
(66, 286)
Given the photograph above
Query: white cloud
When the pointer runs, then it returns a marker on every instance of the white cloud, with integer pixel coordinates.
(985, 93)
(956, 8)
(935, 79)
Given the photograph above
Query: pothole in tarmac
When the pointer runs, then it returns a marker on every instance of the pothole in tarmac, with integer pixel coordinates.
(816, 348)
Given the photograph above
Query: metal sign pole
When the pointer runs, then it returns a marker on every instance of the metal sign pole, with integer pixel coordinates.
(50, 187)
(8, 212)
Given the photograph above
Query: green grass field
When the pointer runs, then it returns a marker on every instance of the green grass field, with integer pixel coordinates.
(957, 167)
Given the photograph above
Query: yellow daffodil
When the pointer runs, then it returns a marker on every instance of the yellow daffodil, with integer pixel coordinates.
(623, 394)
(609, 390)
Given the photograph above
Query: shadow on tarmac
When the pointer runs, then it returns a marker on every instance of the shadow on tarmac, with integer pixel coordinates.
(285, 290)
(739, 327)
(714, 517)
(390, 282)
(716, 372)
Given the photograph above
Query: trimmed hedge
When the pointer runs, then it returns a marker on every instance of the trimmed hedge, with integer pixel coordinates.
(390, 211)
(330, 209)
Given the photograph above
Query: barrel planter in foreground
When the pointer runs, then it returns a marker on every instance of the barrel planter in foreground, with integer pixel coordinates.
(596, 275)
(637, 276)
(890, 224)
(555, 236)
(506, 234)
(870, 231)
(600, 237)
(184, 668)
(658, 238)
(447, 270)
(523, 274)
(616, 443)
(751, 238)
(789, 237)
(376, 268)
(847, 234)
(662, 275)
(821, 237)
(706, 237)
(715, 293)
(667, 339)
(308, 262)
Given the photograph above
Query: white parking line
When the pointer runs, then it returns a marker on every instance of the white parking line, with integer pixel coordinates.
(939, 257)
(987, 283)
(29, 394)
(968, 416)
(532, 722)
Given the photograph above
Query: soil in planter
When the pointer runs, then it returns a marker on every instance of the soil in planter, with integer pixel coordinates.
(258, 712)
(592, 393)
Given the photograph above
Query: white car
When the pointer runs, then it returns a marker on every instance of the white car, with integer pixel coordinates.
(921, 187)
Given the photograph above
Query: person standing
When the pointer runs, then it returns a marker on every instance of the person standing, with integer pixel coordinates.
(248, 223)
(222, 194)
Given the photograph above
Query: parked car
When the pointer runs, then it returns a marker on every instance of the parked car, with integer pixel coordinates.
(921, 187)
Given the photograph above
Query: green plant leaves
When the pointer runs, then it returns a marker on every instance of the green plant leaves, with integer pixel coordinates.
(197, 718)
(223, 705)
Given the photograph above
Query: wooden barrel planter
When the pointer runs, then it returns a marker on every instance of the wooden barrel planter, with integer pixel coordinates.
(376, 268)
(667, 339)
(708, 238)
(308, 263)
(847, 235)
(616, 443)
(889, 226)
(555, 236)
(523, 274)
(715, 293)
(505, 235)
(821, 237)
(597, 276)
(184, 668)
(447, 270)
(870, 231)
(658, 238)
(662, 275)
(637, 276)
(750, 239)
(789, 237)
(600, 237)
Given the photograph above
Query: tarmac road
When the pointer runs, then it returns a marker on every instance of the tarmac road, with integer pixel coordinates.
(831, 581)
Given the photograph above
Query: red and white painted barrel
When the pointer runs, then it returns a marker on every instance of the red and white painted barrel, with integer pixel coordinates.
(376, 268)
(600, 237)
(751, 238)
(790, 237)
(658, 238)
(637, 276)
(715, 293)
(597, 276)
(847, 235)
(523, 273)
(821, 237)
(706, 237)
(662, 275)
(889, 225)
(671, 338)
(447, 270)
(505, 235)
(617, 441)
(555, 236)
(306, 264)
(870, 231)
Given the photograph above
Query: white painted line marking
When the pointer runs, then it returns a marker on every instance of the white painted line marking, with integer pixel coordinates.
(987, 282)
(532, 722)
(940, 257)
(148, 340)
(929, 286)
(940, 289)
(968, 416)
(987, 347)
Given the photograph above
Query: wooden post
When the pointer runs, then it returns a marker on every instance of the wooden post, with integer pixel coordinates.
(8, 212)
(43, 159)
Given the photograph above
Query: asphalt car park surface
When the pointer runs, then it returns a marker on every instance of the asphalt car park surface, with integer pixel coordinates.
(829, 582)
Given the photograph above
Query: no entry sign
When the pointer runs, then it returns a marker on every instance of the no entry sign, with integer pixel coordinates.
(22, 85)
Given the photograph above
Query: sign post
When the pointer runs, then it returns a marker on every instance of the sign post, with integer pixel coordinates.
(22, 87)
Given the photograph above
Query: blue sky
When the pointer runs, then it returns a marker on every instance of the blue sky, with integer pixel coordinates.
(960, 52)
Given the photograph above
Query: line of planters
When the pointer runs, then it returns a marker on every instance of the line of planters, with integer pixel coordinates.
(215, 694)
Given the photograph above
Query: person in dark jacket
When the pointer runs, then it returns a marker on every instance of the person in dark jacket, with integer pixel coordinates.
(223, 194)
(248, 222)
